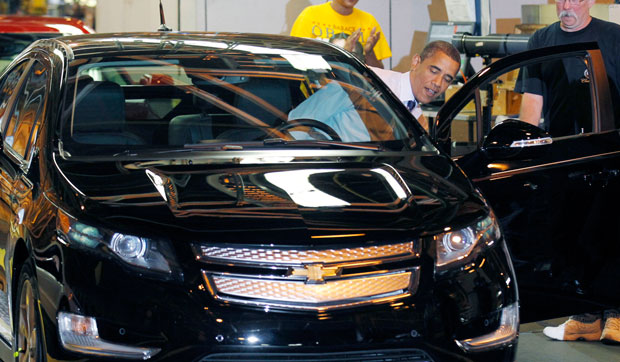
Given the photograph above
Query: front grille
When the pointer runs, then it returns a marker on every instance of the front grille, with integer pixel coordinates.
(397, 355)
(314, 279)
(341, 292)
(280, 256)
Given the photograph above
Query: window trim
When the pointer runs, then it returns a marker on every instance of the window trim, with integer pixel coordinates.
(23, 162)
(602, 118)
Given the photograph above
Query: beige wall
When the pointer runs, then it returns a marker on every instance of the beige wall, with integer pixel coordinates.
(404, 22)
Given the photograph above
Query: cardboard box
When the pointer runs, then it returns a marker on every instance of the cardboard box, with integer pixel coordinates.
(508, 79)
(528, 28)
(463, 131)
(437, 11)
(507, 25)
(453, 88)
(505, 100)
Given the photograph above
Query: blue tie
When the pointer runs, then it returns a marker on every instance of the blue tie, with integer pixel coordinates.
(411, 105)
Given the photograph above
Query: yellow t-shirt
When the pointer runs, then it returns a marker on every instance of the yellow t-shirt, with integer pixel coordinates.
(322, 22)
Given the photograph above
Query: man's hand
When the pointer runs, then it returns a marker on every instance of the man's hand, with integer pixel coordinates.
(369, 54)
(349, 43)
(372, 40)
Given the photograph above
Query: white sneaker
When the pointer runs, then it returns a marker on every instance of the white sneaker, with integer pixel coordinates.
(573, 330)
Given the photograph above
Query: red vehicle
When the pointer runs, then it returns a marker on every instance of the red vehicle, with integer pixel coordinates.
(17, 32)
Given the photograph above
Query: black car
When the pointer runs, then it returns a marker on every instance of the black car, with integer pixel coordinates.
(230, 197)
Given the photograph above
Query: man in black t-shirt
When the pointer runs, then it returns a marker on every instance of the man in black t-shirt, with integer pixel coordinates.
(558, 89)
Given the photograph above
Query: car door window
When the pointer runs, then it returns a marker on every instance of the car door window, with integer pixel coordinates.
(8, 89)
(29, 109)
(499, 98)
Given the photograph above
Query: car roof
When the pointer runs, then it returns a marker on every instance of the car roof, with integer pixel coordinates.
(190, 42)
(42, 24)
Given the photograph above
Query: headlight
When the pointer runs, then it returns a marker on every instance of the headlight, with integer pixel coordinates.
(458, 245)
(144, 253)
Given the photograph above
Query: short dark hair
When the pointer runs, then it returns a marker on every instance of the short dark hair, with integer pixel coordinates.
(442, 46)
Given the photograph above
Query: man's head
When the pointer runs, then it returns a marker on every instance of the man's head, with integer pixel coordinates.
(347, 3)
(574, 14)
(344, 7)
(433, 70)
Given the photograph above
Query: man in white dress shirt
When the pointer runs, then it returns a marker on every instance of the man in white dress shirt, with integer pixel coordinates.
(432, 71)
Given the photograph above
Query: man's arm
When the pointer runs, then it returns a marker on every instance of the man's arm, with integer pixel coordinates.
(369, 49)
(531, 108)
(370, 58)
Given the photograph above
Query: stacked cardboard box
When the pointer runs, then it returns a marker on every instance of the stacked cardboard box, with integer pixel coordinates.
(506, 102)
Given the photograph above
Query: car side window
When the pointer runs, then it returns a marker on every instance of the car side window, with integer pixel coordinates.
(500, 98)
(8, 88)
(29, 109)
(492, 103)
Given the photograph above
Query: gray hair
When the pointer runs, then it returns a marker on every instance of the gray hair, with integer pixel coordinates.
(442, 46)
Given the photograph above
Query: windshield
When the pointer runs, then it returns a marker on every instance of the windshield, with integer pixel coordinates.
(229, 100)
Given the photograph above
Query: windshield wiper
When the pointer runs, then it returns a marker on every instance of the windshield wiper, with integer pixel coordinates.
(147, 153)
(213, 146)
(188, 148)
(270, 142)
(322, 143)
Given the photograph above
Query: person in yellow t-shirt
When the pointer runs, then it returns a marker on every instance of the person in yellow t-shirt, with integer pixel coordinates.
(340, 16)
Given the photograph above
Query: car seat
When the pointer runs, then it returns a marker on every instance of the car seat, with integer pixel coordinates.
(269, 100)
(189, 129)
(99, 115)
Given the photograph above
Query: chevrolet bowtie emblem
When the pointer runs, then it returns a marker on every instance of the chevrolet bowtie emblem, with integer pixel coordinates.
(315, 273)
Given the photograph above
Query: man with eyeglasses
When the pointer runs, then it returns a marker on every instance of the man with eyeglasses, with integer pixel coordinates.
(556, 91)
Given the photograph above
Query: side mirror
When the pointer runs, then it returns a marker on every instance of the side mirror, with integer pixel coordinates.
(516, 140)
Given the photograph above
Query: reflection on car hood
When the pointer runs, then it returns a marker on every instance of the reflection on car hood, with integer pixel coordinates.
(410, 193)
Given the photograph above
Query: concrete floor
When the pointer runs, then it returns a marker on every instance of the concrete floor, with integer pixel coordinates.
(534, 346)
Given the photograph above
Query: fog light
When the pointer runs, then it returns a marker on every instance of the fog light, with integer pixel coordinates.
(80, 334)
(505, 334)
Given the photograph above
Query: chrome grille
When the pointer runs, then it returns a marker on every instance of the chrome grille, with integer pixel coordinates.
(277, 256)
(298, 294)
(314, 279)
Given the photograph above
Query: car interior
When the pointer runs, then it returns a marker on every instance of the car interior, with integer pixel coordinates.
(136, 106)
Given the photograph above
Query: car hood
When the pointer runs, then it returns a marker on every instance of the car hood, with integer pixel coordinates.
(303, 200)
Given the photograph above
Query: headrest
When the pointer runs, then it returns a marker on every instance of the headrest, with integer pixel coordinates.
(100, 106)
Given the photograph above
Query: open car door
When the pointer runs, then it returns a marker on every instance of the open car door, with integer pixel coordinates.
(556, 196)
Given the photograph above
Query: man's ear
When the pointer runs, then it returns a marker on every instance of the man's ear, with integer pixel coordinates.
(415, 61)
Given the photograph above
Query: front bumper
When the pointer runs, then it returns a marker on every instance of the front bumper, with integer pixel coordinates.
(182, 321)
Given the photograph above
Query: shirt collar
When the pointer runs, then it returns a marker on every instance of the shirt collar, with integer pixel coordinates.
(405, 92)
